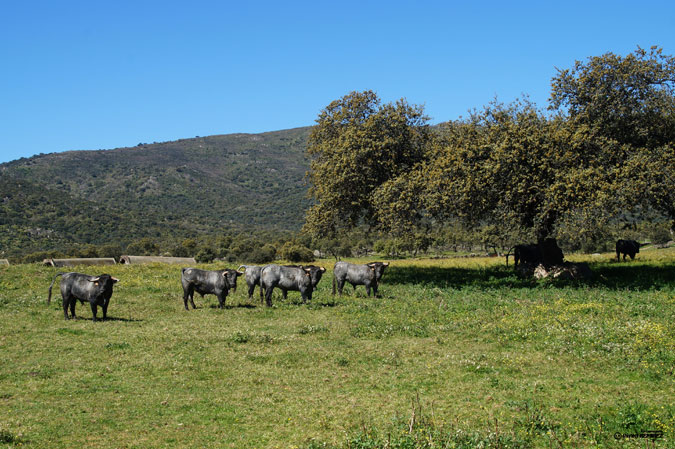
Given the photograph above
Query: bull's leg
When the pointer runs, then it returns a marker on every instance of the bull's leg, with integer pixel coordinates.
(186, 296)
(284, 293)
(618, 256)
(367, 289)
(192, 298)
(268, 296)
(221, 300)
(94, 310)
(632, 256)
(66, 303)
(251, 289)
(105, 309)
(340, 286)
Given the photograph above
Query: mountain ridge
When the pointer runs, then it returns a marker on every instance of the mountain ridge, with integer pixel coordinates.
(186, 187)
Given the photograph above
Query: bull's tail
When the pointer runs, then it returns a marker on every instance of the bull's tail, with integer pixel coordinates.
(49, 295)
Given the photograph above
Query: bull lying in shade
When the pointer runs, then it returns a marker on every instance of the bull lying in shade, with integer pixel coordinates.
(368, 275)
(96, 290)
(204, 282)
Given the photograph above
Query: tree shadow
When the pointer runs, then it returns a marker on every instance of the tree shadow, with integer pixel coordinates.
(610, 276)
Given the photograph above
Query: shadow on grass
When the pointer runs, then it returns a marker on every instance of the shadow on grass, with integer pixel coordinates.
(126, 320)
(100, 319)
(611, 276)
(230, 306)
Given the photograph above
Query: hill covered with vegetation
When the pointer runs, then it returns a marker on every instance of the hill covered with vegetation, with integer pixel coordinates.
(178, 189)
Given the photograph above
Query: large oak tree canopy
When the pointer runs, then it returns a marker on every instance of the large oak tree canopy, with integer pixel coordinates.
(357, 145)
(606, 146)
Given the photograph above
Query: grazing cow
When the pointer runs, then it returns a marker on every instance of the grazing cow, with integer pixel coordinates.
(204, 282)
(252, 276)
(627, 247)
(367, 274)
(296, 278)
(96, 290)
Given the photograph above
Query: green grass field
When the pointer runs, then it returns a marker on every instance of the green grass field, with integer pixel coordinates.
(455, 353)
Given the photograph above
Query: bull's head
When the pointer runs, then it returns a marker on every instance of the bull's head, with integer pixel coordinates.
(97, 279)
(231, 278)
(377, 268)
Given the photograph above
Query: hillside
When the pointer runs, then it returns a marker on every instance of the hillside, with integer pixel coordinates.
(179, 188)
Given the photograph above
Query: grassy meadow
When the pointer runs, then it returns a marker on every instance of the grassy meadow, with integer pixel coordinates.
(455, 353)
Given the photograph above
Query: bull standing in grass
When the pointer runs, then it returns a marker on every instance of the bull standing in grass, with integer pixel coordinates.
(368, 275)
(204, 282)
(96, 290)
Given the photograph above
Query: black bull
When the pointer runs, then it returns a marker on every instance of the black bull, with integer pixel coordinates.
(546, 253)
(627, 247)
(96, 290)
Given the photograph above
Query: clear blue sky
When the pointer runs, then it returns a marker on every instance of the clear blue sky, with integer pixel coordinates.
(98, 75)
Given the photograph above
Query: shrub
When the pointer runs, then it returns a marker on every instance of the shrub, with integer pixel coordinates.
(266, 254)
(296, 253)
(110, 250)
(205, 255)
(41, 255)
(143, 247)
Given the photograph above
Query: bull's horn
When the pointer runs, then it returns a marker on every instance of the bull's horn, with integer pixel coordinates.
(322, 269)
(96, 279)
(386, 264)
(114, 279)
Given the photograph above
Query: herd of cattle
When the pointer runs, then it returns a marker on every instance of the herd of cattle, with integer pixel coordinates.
(97, 290)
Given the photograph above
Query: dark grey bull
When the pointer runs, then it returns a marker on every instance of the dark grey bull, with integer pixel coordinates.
(627, 247)
(96, 290)
(367, 274)
(289, 277)
(252, 277)
(204, 282)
